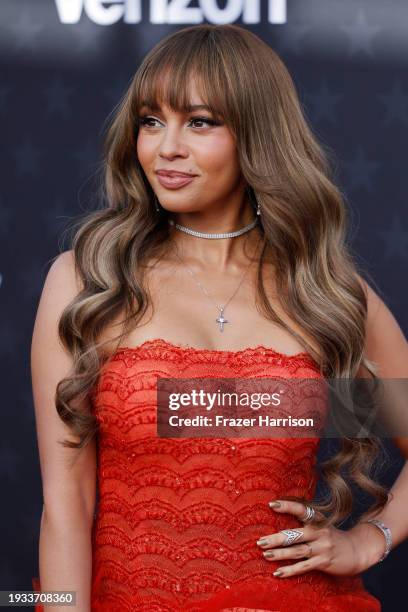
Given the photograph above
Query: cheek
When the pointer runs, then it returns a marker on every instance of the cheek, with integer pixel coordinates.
(219, 156)
(144, 150)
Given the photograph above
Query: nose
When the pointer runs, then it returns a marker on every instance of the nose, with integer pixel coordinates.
(172, 143)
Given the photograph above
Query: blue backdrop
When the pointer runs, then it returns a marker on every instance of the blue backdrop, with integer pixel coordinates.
(64, 66)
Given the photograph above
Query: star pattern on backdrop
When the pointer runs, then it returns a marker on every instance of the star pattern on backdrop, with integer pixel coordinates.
(361, 34)
(360, 171)
(395, 103)
(323, 103)
(395, 238)
(292, 37)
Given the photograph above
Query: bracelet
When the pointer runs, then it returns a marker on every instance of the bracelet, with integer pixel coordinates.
(387, 534)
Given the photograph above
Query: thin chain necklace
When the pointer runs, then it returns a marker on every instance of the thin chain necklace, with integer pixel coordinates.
(220, 320)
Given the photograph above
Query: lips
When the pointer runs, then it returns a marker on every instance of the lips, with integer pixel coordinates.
(174, 174)
(175, 181)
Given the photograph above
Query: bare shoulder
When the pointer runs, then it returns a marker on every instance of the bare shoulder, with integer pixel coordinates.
(60, 287)
(385, 342)
(63, 269)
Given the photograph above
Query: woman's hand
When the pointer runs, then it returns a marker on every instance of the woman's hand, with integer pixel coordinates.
(327, 549)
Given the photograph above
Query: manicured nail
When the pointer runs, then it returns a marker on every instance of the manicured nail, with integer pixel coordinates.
(268, 553)
(262, 541)
(274, 504)
(277, 573)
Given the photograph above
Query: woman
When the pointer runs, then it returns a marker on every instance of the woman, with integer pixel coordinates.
(221, 253)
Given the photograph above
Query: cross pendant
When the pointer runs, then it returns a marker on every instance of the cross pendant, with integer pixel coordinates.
(221, 320)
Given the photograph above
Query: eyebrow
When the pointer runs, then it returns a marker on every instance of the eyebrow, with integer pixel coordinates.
(192, 107)
(189, 108)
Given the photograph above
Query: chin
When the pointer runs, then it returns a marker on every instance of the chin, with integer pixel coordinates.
(171, 208)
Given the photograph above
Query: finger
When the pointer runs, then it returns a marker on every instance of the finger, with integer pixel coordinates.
(277, 539)
(300, 551)
(292, 507)
(297, 568)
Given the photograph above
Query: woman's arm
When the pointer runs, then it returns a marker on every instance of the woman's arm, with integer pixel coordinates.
(69, 489)
(352, 551)
(388, 348)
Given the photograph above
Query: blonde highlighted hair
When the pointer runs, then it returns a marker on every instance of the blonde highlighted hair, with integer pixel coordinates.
(304, 226)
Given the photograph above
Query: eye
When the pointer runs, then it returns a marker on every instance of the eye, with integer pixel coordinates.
(145, 120)
(206, 120)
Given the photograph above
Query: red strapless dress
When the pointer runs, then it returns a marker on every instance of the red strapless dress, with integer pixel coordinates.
(178, 519)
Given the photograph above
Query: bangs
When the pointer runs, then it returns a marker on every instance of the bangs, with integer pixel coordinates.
(168, 81)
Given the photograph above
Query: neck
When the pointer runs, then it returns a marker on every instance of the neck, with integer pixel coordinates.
(221, 254)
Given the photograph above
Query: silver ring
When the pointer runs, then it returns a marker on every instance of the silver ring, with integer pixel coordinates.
(292, 535)
(310, 514)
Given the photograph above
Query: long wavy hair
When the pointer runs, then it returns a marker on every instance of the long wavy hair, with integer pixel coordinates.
(304, 227)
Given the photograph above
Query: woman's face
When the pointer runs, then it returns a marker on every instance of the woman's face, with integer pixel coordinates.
(193, 143)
